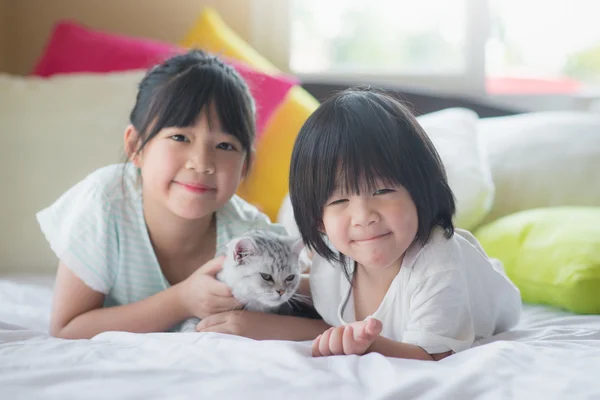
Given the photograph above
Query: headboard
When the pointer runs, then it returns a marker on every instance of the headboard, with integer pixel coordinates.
(420, 101)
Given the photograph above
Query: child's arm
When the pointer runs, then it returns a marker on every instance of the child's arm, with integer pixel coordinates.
(391, 348)
(262, 326)
(364, 337)
(77, 311)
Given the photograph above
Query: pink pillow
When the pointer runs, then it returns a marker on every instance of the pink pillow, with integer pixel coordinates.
(74, 48)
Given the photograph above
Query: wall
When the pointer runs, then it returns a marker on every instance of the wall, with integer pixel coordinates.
(5, 12)
(159, 19)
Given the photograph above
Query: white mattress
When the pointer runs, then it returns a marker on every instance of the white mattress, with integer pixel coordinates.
(551, 355)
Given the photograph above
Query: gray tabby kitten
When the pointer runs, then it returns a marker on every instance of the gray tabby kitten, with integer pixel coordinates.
(263, 271)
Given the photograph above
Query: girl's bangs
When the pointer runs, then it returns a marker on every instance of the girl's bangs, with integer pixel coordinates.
(180, 102)
(362, 163)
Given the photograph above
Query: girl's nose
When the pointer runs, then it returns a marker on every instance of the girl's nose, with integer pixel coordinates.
(363, 214)
(201, 162)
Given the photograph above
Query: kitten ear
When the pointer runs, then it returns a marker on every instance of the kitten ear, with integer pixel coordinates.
(297, 246)
(243, 248)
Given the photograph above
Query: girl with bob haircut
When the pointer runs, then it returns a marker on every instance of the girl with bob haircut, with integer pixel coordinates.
(389, 273)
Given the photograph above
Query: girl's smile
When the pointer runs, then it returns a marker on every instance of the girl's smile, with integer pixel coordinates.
(197, 188)
(372, 238)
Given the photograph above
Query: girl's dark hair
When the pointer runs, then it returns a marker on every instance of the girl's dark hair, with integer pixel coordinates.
(173, 94)
(354, 138)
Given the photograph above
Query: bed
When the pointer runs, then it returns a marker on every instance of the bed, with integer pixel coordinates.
(552, 354)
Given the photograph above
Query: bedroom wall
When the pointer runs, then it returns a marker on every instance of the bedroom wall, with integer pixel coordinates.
(159, 19)
(5, 9)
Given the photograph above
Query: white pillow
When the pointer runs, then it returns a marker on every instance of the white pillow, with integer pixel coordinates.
(543, 159)
(53, 132)
(454, 134)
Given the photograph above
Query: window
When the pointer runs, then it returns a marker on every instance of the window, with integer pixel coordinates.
(378, 36)
(467, 46)
(538, 46)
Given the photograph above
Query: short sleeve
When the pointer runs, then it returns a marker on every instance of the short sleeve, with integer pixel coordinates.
(440, 317)
(82, 233)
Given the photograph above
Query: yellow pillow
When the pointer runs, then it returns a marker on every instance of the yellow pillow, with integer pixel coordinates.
(267, 184)
(212, 34)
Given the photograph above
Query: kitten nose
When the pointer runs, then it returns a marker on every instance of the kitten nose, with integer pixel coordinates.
(280, 291)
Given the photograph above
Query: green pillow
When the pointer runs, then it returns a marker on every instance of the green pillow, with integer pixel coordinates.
(551, 254)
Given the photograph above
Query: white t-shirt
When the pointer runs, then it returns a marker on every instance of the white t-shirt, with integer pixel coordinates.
(97, 228)
(446, 295)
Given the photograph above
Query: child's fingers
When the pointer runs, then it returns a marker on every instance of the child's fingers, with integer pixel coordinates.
(348, 341)
(222, 303)
(367, 329)
(373, 328)
(336, 345)
(209, 321)
(324, 343)
(213, 266)
(220, 289)
(315, 346)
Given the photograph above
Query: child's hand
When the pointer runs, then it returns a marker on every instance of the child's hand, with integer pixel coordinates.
(250, 324)
(201, 294)
(355, 338)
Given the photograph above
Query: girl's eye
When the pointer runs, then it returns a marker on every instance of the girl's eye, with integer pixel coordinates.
(266, 277)
(226, 146)
(383, 191)
(179, 138)
(336, 202)
(290, 278)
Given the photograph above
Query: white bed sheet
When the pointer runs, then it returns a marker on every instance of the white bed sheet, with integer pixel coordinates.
(551, 355)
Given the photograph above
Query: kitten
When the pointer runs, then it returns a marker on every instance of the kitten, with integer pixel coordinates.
(263, 271)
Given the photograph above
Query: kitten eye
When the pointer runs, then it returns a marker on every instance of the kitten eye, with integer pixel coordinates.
(290, 278)
(179, 138)
(266, 277)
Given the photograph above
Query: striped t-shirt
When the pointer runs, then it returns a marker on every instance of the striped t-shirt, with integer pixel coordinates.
(97, 229)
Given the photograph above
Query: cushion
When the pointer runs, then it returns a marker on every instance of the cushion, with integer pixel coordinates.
(210, 32)
(267, 183)
(454, 134)
(76, 48)
(552, 254)
(55, 132)
(543, 159)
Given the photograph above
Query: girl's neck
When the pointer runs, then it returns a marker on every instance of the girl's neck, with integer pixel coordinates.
(173, 236)
(379, 276)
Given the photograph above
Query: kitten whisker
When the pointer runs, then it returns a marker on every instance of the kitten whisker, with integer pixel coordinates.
(302, 298)
(293, 304)
(257, 298)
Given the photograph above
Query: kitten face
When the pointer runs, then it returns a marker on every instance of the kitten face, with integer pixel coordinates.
(262, 269)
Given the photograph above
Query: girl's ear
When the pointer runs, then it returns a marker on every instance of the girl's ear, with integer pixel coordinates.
(131, 142)
(321, 228)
